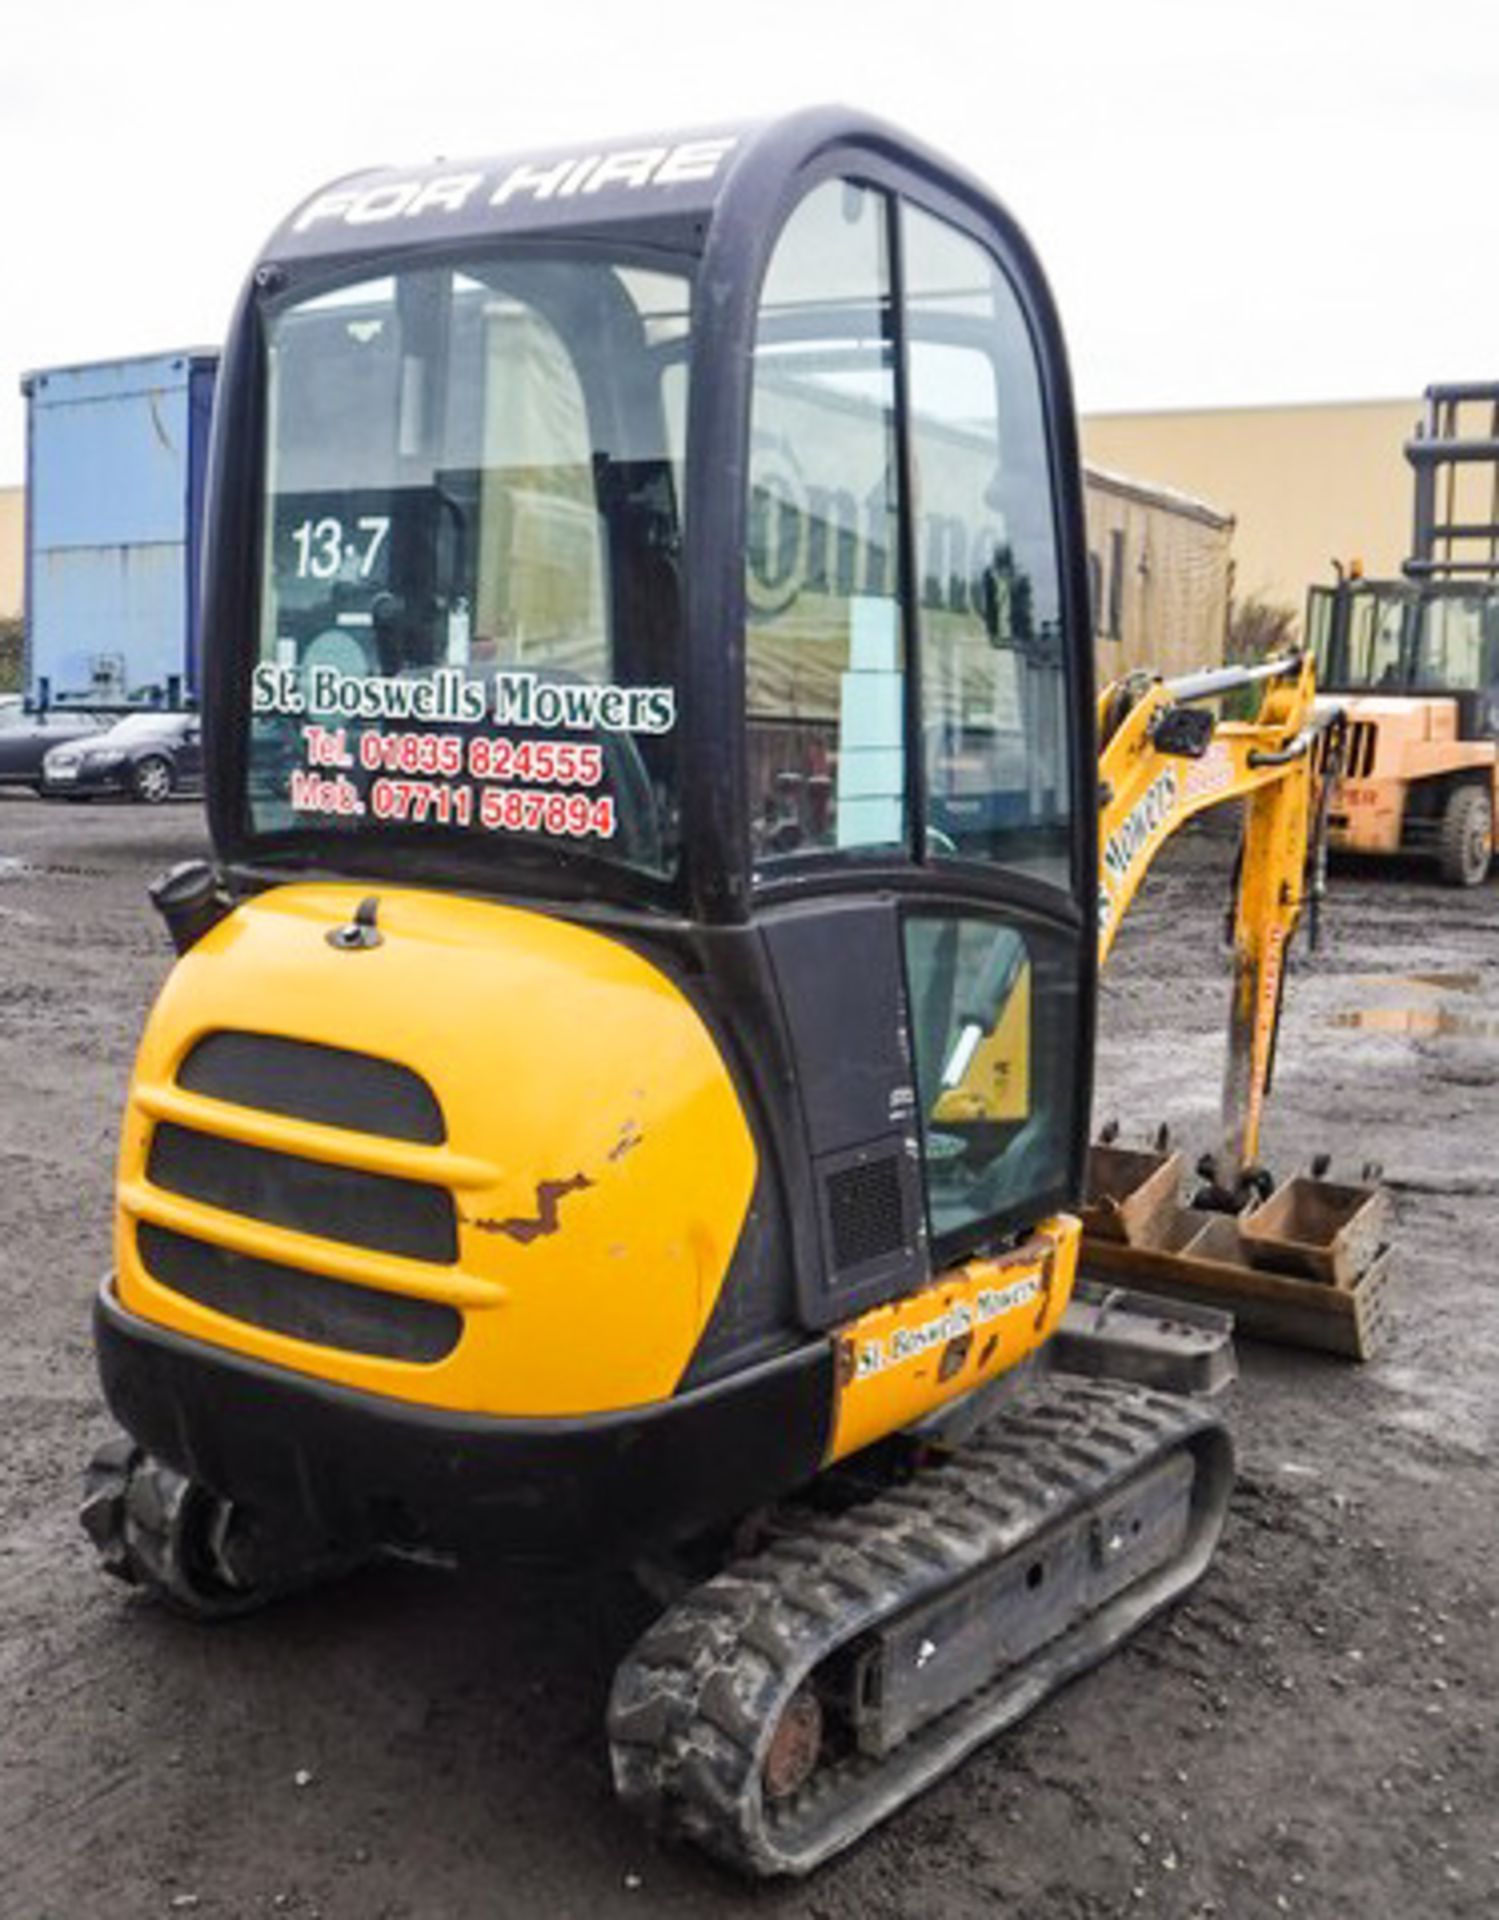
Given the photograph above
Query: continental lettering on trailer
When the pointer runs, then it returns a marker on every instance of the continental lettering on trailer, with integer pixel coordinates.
(820, 537)
(574, 176)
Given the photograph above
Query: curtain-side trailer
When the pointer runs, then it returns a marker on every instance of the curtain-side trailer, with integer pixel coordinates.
(116, 453)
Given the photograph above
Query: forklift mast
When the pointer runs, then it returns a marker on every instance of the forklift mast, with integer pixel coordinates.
(1455, 456)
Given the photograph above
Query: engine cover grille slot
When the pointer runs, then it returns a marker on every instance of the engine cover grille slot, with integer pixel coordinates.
(376, 1210)
(866, 1211)
(304, 1080)
(305, 1306)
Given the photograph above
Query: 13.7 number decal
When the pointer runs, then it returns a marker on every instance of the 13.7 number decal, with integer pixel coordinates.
(324, 548)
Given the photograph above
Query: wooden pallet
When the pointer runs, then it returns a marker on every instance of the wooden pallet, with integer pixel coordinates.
(1350, 1319)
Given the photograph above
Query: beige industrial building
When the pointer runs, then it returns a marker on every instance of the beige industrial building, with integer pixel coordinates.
(1305, 484)
(12, 552)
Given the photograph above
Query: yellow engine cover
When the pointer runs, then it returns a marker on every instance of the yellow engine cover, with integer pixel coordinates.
(596, 1150)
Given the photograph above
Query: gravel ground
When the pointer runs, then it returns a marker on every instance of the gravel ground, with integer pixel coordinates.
(1316, 1732)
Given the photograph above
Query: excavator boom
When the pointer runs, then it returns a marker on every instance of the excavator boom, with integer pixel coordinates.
(1163, 761)
(1306, 1262)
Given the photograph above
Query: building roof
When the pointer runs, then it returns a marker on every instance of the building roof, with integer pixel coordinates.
(1152, 493)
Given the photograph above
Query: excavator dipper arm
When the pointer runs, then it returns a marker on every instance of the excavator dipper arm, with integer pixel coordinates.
(1306, 1262)
(1163, 761)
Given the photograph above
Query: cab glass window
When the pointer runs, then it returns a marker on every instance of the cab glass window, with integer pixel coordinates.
(994, 1012)
(994, 695)
(824, 653)
(1458, 648)
(1319, 633)
(471, 600)
(1376, 631)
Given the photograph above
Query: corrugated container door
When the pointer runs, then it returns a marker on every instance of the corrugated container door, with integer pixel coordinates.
(200, 420)
(110, 457)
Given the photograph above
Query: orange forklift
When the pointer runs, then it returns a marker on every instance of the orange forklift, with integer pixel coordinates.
(1415, 662)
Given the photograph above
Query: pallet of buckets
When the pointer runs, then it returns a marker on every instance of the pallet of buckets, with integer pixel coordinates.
(1308, 1265)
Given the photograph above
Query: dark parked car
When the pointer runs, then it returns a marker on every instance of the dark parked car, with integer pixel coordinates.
(146, 756)
(25, 737)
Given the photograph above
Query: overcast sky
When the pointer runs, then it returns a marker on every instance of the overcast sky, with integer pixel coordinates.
(1237, 202)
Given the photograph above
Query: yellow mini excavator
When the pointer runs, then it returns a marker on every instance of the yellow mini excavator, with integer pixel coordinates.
(624, 1090)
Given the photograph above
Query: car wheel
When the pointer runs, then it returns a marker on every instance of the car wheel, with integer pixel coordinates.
(1466, 846)
(151, 780)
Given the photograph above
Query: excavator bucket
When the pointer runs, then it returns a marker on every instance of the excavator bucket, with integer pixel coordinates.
(1309, 1266)
(1129, 1191)
(1313, 1227)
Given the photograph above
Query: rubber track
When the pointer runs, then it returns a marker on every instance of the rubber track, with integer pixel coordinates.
(694, 1705)
(152, 1528)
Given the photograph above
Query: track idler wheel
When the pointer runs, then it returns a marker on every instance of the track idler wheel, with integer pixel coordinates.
(795, 1746)
(156, 1529)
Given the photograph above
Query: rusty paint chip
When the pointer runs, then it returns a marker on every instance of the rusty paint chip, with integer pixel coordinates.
(549, 1197)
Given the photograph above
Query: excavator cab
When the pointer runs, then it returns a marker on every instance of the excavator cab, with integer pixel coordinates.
(689, 538)
(632, 1056)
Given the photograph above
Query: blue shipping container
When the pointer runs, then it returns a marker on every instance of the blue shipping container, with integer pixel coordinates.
(116, 455)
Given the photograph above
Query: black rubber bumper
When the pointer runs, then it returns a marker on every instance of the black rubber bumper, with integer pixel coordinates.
(365, 1470)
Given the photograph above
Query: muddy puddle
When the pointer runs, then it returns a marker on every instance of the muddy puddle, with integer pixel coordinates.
(1427, 1018)
(1453, 982)
(1420, 1021)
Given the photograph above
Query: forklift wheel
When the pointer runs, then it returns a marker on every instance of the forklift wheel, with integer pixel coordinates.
(1466, 847)
(157, 1530)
